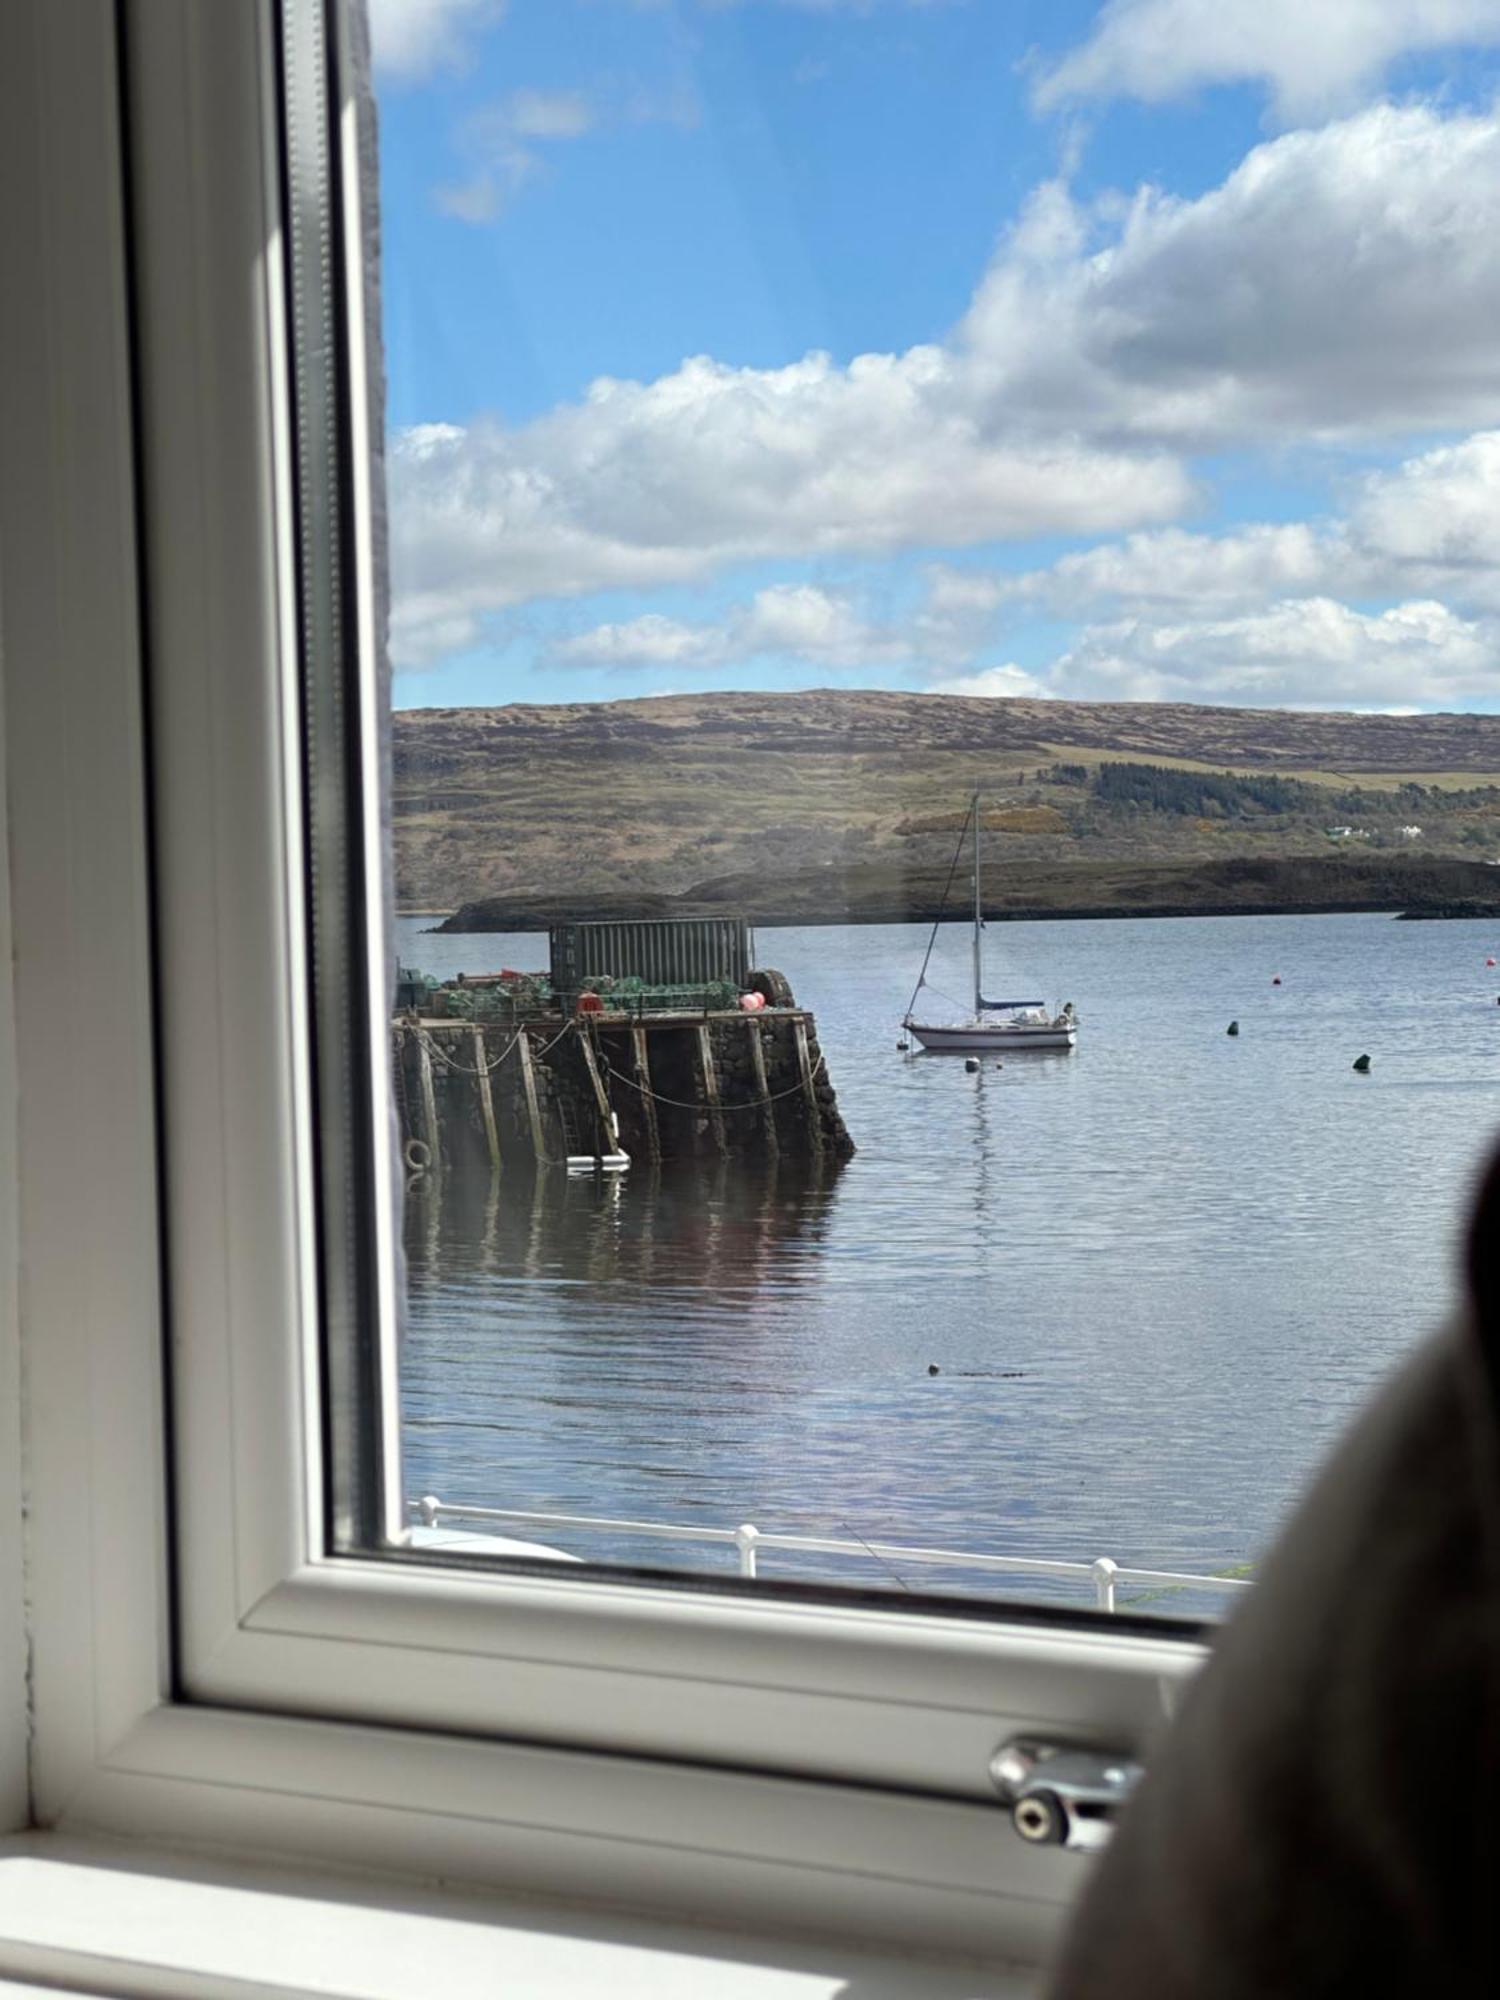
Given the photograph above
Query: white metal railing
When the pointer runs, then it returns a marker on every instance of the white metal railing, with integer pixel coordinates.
(1103, 1574)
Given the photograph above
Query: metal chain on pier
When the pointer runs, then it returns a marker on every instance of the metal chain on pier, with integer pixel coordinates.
(434, 1048)
(685, 1104)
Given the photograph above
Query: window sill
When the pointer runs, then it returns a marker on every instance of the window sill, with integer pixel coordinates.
(105, 1916)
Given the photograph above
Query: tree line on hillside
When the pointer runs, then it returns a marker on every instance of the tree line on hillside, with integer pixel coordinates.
(1226, 795)
(1202, 794)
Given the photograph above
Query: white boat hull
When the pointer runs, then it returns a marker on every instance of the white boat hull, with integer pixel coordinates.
(971, 1038)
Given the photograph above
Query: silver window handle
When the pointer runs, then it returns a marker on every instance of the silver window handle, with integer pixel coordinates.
(1062, 1794)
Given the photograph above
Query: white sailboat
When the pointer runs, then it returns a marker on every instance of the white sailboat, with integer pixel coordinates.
(995, 1024)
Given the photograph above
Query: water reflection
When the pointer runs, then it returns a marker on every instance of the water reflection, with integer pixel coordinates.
(717, 1228)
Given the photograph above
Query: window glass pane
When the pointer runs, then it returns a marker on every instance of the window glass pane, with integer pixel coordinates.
(853, 470)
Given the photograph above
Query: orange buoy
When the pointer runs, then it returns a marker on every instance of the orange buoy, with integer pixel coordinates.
(1489, 961)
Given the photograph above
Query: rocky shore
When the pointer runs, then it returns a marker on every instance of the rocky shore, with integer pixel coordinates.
(1414, 886)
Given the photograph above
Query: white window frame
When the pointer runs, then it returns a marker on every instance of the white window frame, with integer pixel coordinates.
(200, 1667)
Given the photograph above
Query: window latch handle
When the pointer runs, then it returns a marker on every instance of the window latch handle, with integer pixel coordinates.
(1062, 1794)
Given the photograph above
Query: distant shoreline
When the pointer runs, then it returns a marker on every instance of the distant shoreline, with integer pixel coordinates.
(1040, 892)
(528, 923)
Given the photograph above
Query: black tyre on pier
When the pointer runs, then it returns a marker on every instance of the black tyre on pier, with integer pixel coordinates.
(773, 987)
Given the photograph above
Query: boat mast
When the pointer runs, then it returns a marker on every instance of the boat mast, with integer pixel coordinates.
(978, 917)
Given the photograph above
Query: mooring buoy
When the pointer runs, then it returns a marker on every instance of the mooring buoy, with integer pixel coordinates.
(1276, 979)
(1362, 1064)
(1233, 1028)
(902, 1047)
(971, 1064)
(933, 1369)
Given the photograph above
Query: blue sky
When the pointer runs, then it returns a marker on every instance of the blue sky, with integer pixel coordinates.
(989, 346)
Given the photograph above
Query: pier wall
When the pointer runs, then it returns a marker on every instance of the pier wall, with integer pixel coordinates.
(481, 1097)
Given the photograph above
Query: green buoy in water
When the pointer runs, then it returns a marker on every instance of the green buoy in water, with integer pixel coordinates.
(1362, 1064)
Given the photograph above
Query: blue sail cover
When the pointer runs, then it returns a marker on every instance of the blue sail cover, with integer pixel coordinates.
(1000, 1006)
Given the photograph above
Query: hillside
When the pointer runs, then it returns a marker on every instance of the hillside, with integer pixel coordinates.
(832, 805)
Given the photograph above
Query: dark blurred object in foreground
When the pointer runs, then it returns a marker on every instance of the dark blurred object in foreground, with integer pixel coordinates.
(1321, 1818)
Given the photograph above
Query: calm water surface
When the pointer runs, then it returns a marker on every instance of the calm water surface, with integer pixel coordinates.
(1156, 1275)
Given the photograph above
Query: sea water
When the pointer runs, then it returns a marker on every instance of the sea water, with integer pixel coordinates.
(1154, 1275)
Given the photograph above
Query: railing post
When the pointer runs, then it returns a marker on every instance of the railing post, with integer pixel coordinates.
(1104, 1573)
(745, 1539)
(429, 1507)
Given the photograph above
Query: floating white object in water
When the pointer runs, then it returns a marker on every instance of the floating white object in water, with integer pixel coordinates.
(971, 1064)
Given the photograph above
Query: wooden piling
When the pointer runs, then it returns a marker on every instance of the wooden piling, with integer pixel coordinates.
(486, 1099)
(648, 1099)
(607, 1140)
(432, 1137)
(762, 1087)
(528, 1086)
(809, 1091)
(711, 1089)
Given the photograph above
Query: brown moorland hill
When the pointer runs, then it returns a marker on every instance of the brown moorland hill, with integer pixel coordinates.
(852, 796)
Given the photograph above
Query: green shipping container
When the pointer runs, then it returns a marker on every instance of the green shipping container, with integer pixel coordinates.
(671, 951)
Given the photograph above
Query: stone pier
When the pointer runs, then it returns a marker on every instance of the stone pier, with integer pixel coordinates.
(483, 1097)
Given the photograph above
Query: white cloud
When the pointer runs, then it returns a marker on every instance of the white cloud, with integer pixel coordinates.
(809, 6)
(1247, 617)
(994, 682)
(506, 145)
(1313, 55)
(1181, 616)
(797, 621)
(1341, 285)
(1305, 653)
(1439, 512)
(642, 485)
(542, 114)
(1430, 527)
(963, 593)
(503, 145)
(648, 641)
(805, 623)
(413, 40)
(421, 635)
(1175, 571)
(482, 198)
